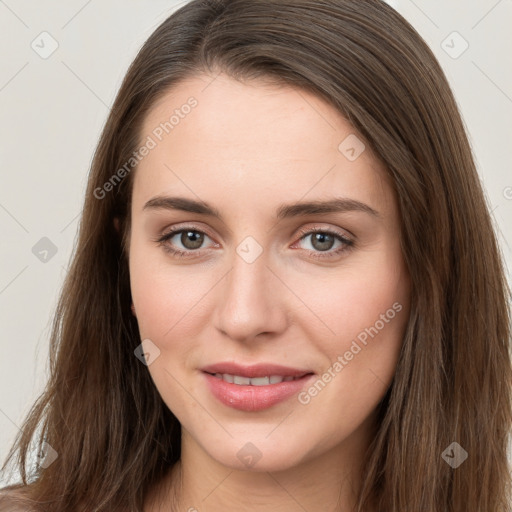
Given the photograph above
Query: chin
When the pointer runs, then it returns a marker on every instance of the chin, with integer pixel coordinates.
(258, 455)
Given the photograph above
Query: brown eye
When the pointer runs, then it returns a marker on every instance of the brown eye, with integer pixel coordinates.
(322, 241)
(191, 239)
(183, 242)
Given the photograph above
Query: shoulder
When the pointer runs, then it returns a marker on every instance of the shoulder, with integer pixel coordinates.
(10, 502)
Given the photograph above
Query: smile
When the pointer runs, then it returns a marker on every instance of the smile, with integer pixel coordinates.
(259, 388)
(255, 381)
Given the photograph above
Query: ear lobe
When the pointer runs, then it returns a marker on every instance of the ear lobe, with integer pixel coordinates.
(116, 223)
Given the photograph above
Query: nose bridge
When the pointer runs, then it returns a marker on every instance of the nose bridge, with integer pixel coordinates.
(249, 275)
(250, 302)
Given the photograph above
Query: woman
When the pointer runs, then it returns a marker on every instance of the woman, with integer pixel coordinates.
(286, 293)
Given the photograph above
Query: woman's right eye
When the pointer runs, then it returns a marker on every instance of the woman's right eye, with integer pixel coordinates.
(191, 240)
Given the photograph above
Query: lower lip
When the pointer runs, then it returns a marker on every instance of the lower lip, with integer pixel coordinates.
(254, 398)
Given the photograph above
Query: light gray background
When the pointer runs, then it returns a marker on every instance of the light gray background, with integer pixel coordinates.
(52, 111)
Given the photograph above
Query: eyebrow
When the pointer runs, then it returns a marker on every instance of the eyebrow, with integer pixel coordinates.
(284, 211)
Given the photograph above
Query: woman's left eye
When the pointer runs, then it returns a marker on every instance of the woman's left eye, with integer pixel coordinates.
(321, 240)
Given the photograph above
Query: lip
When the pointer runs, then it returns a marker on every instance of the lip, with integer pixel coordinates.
(255, 370)
(254, 398)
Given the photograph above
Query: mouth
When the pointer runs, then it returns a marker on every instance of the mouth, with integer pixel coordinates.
(254, 371)
(240, 380)
(254, 388)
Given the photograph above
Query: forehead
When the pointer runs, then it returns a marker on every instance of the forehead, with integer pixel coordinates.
(250, 137)
(250, 113)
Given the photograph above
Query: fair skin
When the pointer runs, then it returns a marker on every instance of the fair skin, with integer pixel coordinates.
(246, 149)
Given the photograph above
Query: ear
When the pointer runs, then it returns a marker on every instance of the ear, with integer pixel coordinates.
(116, 223)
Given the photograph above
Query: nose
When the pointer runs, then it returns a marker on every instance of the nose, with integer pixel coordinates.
(251, 301)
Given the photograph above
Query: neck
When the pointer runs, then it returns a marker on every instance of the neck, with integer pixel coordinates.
(198, 483)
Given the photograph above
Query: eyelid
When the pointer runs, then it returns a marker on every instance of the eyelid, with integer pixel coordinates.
(177, 228)
(345, 234)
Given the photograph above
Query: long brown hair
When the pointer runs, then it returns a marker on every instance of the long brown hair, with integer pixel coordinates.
(101, 411)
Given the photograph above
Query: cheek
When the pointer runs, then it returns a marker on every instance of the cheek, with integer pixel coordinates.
(166, 300)
(372, 289)
(361, 314)
(168, 305)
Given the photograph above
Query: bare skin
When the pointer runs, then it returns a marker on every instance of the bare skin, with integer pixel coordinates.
(246, 149)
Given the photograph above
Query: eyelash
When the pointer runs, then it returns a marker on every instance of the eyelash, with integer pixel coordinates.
(347, 242)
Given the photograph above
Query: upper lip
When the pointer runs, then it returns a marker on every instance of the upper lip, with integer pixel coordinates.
(255, 370)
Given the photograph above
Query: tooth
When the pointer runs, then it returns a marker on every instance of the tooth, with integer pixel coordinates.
(260, 381)
(241, 380)
(255, 381)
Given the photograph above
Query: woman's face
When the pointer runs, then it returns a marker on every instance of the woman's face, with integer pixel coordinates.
(236, 180)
